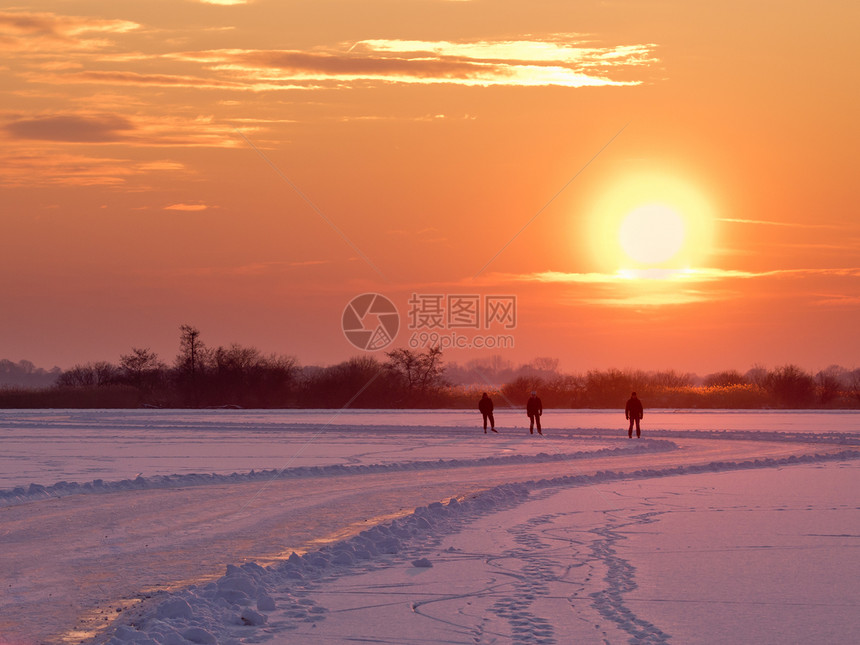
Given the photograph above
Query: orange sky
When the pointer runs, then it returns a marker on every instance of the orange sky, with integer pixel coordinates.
(150, 152)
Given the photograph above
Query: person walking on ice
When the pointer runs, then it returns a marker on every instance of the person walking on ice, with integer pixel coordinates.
(485, 405)
(534, 408)
(633, 411)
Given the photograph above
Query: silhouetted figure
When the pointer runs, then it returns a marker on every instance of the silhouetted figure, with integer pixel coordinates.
(534, 408)
(633, 411)
(485, 405)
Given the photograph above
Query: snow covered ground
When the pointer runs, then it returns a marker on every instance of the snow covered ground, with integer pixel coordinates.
(415, 527)
(755, 556)
(84, 445)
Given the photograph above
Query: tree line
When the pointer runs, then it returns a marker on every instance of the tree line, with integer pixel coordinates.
(25, 374)
(238, 376)
(783, 387)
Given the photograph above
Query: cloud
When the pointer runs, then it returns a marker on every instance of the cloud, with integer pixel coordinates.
(652, 299)
(559, 60)
(673, 275)
(137, 130)
(771, 223)
(186, 207)
(176, 81)
(556, 49)
(115, 78)
(839, 300)
(32, 168)
(45, 32)
(620, 277)
(84, 129)
(162, 165)
(254, 269)
(566, 60)
(660, 287)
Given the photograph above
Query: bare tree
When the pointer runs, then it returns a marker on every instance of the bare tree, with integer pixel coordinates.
(421, 371)
(608, 387)
(105, 373)
(141, 368)
(791, 386)
(190, 363)
(495, 363)
(237, 358)
(192, 352)
(725, 378)
(77, 376)
(96, 374)
(671, 378)
(853, 379)
(545, 364)
(517, 391)
(757, 375)
(829, 383)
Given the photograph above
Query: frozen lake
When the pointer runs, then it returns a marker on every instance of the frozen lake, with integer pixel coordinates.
(48, 446)
(415, 527)
(262, 420)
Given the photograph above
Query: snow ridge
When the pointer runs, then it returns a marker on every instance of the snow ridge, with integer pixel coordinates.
(20, 495)
(252, 602)
(838, 438)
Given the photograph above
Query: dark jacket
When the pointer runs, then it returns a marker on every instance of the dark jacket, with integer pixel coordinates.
(534, 407)
(485, 405)
(633, 409)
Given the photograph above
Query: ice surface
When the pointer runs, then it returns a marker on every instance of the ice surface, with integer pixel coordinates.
(112, 445)
(588, 450)
(84, 445)
(761, 556)
(578, 536)
(559, 560)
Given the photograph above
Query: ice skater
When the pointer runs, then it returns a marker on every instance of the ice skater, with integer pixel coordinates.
(633, 411)
(485, 405)
(534, 408)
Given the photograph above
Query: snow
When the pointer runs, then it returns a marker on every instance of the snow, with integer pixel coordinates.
(84, 445)
(685, 558)
(114, 445)
(413, 531)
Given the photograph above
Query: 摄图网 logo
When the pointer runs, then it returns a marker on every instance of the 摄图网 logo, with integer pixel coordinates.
(370, 321)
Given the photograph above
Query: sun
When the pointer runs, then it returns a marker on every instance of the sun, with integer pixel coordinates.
(648, 221)
(652, 234)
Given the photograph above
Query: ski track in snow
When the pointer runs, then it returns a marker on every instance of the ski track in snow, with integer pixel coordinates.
(38, 491)
(281, 598)
(35, 492)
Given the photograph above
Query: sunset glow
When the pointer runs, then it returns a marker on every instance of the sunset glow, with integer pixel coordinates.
(652, 234)
(677, 186)
(652, 219)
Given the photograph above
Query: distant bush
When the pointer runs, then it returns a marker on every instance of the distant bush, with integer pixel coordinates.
(356, 383)
(113, 396)
(790, 387)
(466, 397)
(727, 378)
(26, 375)
(518, 391)
(783, 387)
